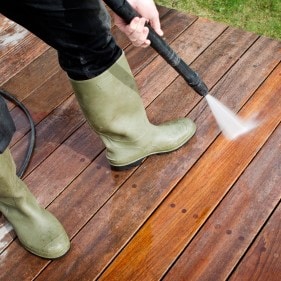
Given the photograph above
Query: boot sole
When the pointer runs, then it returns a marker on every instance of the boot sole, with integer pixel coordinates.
(129, 166)
(47, 256)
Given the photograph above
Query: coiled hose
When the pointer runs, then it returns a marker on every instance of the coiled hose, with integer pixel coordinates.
(31, 145)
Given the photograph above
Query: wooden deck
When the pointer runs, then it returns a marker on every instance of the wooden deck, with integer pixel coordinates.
(209, 211)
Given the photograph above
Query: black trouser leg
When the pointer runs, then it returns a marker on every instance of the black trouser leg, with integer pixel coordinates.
(78, 29)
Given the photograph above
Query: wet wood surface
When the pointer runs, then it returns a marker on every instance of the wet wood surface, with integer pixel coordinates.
(208, 211)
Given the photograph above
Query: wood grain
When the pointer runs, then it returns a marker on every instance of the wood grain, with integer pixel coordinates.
(262, 261)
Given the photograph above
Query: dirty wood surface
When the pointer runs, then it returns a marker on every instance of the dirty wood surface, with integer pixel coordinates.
(208, 211)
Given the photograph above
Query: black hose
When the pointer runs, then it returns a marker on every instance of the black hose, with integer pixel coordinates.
(30, 148)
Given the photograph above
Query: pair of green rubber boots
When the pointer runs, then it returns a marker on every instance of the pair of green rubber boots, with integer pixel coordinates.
(114, 109)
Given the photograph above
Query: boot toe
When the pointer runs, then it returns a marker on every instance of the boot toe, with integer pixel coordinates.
(54, 249)
(175, 134)
(43, 235)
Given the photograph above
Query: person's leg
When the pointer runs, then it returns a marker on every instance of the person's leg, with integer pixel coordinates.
(7, 126)
(78, 30)
(102, 80)
(37, 229)
(114, 109)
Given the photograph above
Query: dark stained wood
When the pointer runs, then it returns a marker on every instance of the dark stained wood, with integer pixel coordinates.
(52, 131)
(33, 75)
(35, 95)
(140, 201)
(262, 261)
(208, 211)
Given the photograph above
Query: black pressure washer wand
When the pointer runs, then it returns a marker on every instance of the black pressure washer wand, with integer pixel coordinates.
(124, 10)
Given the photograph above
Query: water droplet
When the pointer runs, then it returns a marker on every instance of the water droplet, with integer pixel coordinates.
(228, 232)
(183, 211)
(172, 205)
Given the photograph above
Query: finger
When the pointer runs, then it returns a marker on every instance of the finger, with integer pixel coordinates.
(155, 24)
(139, 39)
(138, 30)
(134, 25)
(138, 25)
(142, 44)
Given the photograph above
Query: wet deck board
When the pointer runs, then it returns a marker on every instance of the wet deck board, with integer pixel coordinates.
(207, 211)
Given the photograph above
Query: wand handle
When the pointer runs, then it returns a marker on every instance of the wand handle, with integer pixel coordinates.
(124, 10)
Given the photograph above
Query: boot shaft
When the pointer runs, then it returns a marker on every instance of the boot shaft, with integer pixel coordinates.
(111, 102)
(14, 193)
(8, 177)
(37, 229)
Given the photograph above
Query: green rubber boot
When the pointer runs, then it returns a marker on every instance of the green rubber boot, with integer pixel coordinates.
(37, 229)
(114, 109)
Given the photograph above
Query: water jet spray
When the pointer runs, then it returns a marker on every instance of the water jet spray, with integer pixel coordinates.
(231, 125)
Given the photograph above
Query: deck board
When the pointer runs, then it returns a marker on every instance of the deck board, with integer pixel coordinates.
(143, 224)
(262, 261)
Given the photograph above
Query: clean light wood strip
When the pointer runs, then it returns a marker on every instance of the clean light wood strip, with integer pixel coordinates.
(5, 23)
(227, 234)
